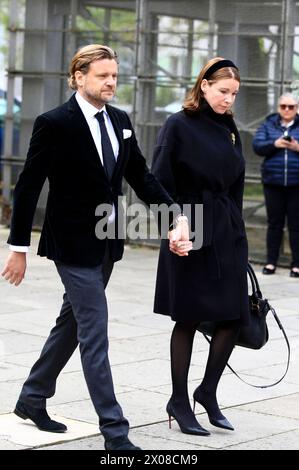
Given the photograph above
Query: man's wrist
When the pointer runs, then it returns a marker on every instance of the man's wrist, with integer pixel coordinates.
(19, 249)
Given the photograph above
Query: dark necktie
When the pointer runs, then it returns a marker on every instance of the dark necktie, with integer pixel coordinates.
(107, 150)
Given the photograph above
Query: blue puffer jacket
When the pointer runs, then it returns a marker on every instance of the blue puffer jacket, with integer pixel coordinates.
(280, 166)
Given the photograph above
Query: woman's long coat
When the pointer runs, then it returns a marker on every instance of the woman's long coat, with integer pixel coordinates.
(198, 159)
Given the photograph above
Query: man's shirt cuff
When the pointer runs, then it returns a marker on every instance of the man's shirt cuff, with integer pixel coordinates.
(20, 249)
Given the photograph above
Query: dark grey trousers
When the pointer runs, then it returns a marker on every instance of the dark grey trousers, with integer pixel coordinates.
(83, 319)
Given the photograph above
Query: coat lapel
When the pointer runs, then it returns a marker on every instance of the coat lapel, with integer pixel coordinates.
(118, 129)
(81, 128)
(82, 134)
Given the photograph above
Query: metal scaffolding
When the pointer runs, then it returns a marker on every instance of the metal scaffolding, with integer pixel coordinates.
(162, 45)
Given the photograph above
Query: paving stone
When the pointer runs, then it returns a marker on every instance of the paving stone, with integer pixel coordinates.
(282, 441)
(139, 355)
(18, 432)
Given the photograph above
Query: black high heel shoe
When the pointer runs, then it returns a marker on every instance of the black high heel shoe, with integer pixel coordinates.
(196, 430)
(294, 273)
(268, 270)
(219, 423)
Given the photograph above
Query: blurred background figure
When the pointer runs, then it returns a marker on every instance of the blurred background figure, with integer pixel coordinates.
(277, 140)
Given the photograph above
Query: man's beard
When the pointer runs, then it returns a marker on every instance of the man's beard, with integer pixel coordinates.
(99, 97)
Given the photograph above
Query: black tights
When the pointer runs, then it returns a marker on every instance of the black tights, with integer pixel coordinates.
(222, 344)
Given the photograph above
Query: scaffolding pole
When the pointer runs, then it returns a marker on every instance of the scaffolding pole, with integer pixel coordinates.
(9, 119)
(288, 28)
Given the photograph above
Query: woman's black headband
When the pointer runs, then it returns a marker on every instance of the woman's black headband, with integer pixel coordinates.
(218, 65)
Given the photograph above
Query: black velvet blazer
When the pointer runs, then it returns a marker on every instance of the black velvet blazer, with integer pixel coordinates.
(62, 149)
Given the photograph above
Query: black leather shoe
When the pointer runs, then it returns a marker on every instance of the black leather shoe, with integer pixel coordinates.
(268, 270)
(40, 417)
(120, 443)
(294, 273)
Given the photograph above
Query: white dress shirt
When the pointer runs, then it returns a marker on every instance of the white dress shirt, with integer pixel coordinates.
(89, 112)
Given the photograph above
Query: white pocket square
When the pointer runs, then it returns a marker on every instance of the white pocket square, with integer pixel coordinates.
(127, 133)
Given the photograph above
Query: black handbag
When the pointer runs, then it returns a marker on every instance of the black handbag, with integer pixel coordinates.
(256, 334)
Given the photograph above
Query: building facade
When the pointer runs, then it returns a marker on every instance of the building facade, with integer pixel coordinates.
(162, 45)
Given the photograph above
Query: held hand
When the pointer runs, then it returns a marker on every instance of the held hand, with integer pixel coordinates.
(14, 270)
(179, 243)
(182, 228)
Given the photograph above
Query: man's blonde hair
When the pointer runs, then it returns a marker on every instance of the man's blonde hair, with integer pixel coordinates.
(84, 57)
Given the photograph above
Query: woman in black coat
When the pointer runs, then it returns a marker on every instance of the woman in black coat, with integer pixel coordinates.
(198, 159)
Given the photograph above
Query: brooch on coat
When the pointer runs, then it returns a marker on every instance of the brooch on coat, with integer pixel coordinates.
(233, 137)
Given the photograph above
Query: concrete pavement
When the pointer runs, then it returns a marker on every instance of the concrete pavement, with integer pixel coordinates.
(139, 354)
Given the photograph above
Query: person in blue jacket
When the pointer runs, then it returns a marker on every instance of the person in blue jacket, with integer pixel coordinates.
(277, 139)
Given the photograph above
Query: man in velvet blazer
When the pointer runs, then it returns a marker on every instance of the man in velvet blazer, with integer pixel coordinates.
(67, 147)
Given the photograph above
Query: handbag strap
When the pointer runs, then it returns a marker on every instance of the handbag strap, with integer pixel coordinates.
(254, 282)
(288, 360)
